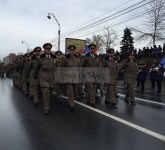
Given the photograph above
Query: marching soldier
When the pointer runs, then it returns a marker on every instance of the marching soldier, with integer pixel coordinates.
(78, 88)
(91, 60)
(111, 64)
(58, 86)
(25, 74)
(130, 72)
(34, 83)
(19, 73)
(45, 72)
(2, 70)
(70, 61)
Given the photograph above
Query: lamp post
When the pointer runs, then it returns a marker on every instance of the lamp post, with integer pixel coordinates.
(24, 42)
(59, 27)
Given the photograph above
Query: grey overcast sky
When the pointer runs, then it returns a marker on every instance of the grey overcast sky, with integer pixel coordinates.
(27, 20)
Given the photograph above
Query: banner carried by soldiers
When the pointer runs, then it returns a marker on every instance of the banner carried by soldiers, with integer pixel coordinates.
(82, 75)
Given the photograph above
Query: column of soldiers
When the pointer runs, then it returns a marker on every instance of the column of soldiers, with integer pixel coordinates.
(34, 73)
(2, 70)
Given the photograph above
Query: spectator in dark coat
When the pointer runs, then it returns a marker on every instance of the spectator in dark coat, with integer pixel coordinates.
(159, 78)
(142, 75)
(152, 73)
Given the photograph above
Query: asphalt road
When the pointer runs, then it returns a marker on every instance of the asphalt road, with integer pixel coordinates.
(127, 127)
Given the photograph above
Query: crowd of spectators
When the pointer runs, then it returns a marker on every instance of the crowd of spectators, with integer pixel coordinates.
(155, 52)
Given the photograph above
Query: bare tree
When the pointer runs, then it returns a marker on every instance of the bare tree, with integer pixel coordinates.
(109, 38)
(155, 23)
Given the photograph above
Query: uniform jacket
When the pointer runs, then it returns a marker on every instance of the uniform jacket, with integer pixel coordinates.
(113, 69)
(130, 72)
(45, 71)
(88, 61)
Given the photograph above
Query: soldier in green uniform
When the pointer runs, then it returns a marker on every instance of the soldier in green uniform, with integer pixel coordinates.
(58, 86)
(130, 72)
(25, 73)
(45, 72)
(91, 60)
(2, 70)
(34, 83)
(70, 61)
(112, 66)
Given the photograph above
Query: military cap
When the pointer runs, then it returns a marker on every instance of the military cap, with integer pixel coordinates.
(37, 49)
(47, 45)
(92, 46)
(71, 47)
(110, 50)
(58, 53)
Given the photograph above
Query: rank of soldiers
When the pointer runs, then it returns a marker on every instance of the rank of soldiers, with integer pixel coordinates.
(40, 72)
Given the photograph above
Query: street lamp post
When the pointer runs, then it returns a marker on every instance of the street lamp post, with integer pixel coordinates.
(24, 42)
(59, 30)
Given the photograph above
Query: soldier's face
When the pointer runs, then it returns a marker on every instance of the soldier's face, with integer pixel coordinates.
(47, 50)
(37, 53)
(59, 56)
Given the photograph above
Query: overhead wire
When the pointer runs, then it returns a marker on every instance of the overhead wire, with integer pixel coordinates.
(113, 16)
(102, 14)
(116, 24)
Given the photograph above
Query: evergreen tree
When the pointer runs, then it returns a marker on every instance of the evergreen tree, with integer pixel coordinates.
(127, 41)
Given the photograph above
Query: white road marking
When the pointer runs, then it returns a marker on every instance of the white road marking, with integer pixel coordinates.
(144, 100)
(132, 125)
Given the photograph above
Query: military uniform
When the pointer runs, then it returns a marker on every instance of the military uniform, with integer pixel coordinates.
(91, 60)
(45, 72)
(58, 86)
(72, 88)
(111, 64)
(34, 82)
(25, 75)
(2, 70)
(130, 72)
